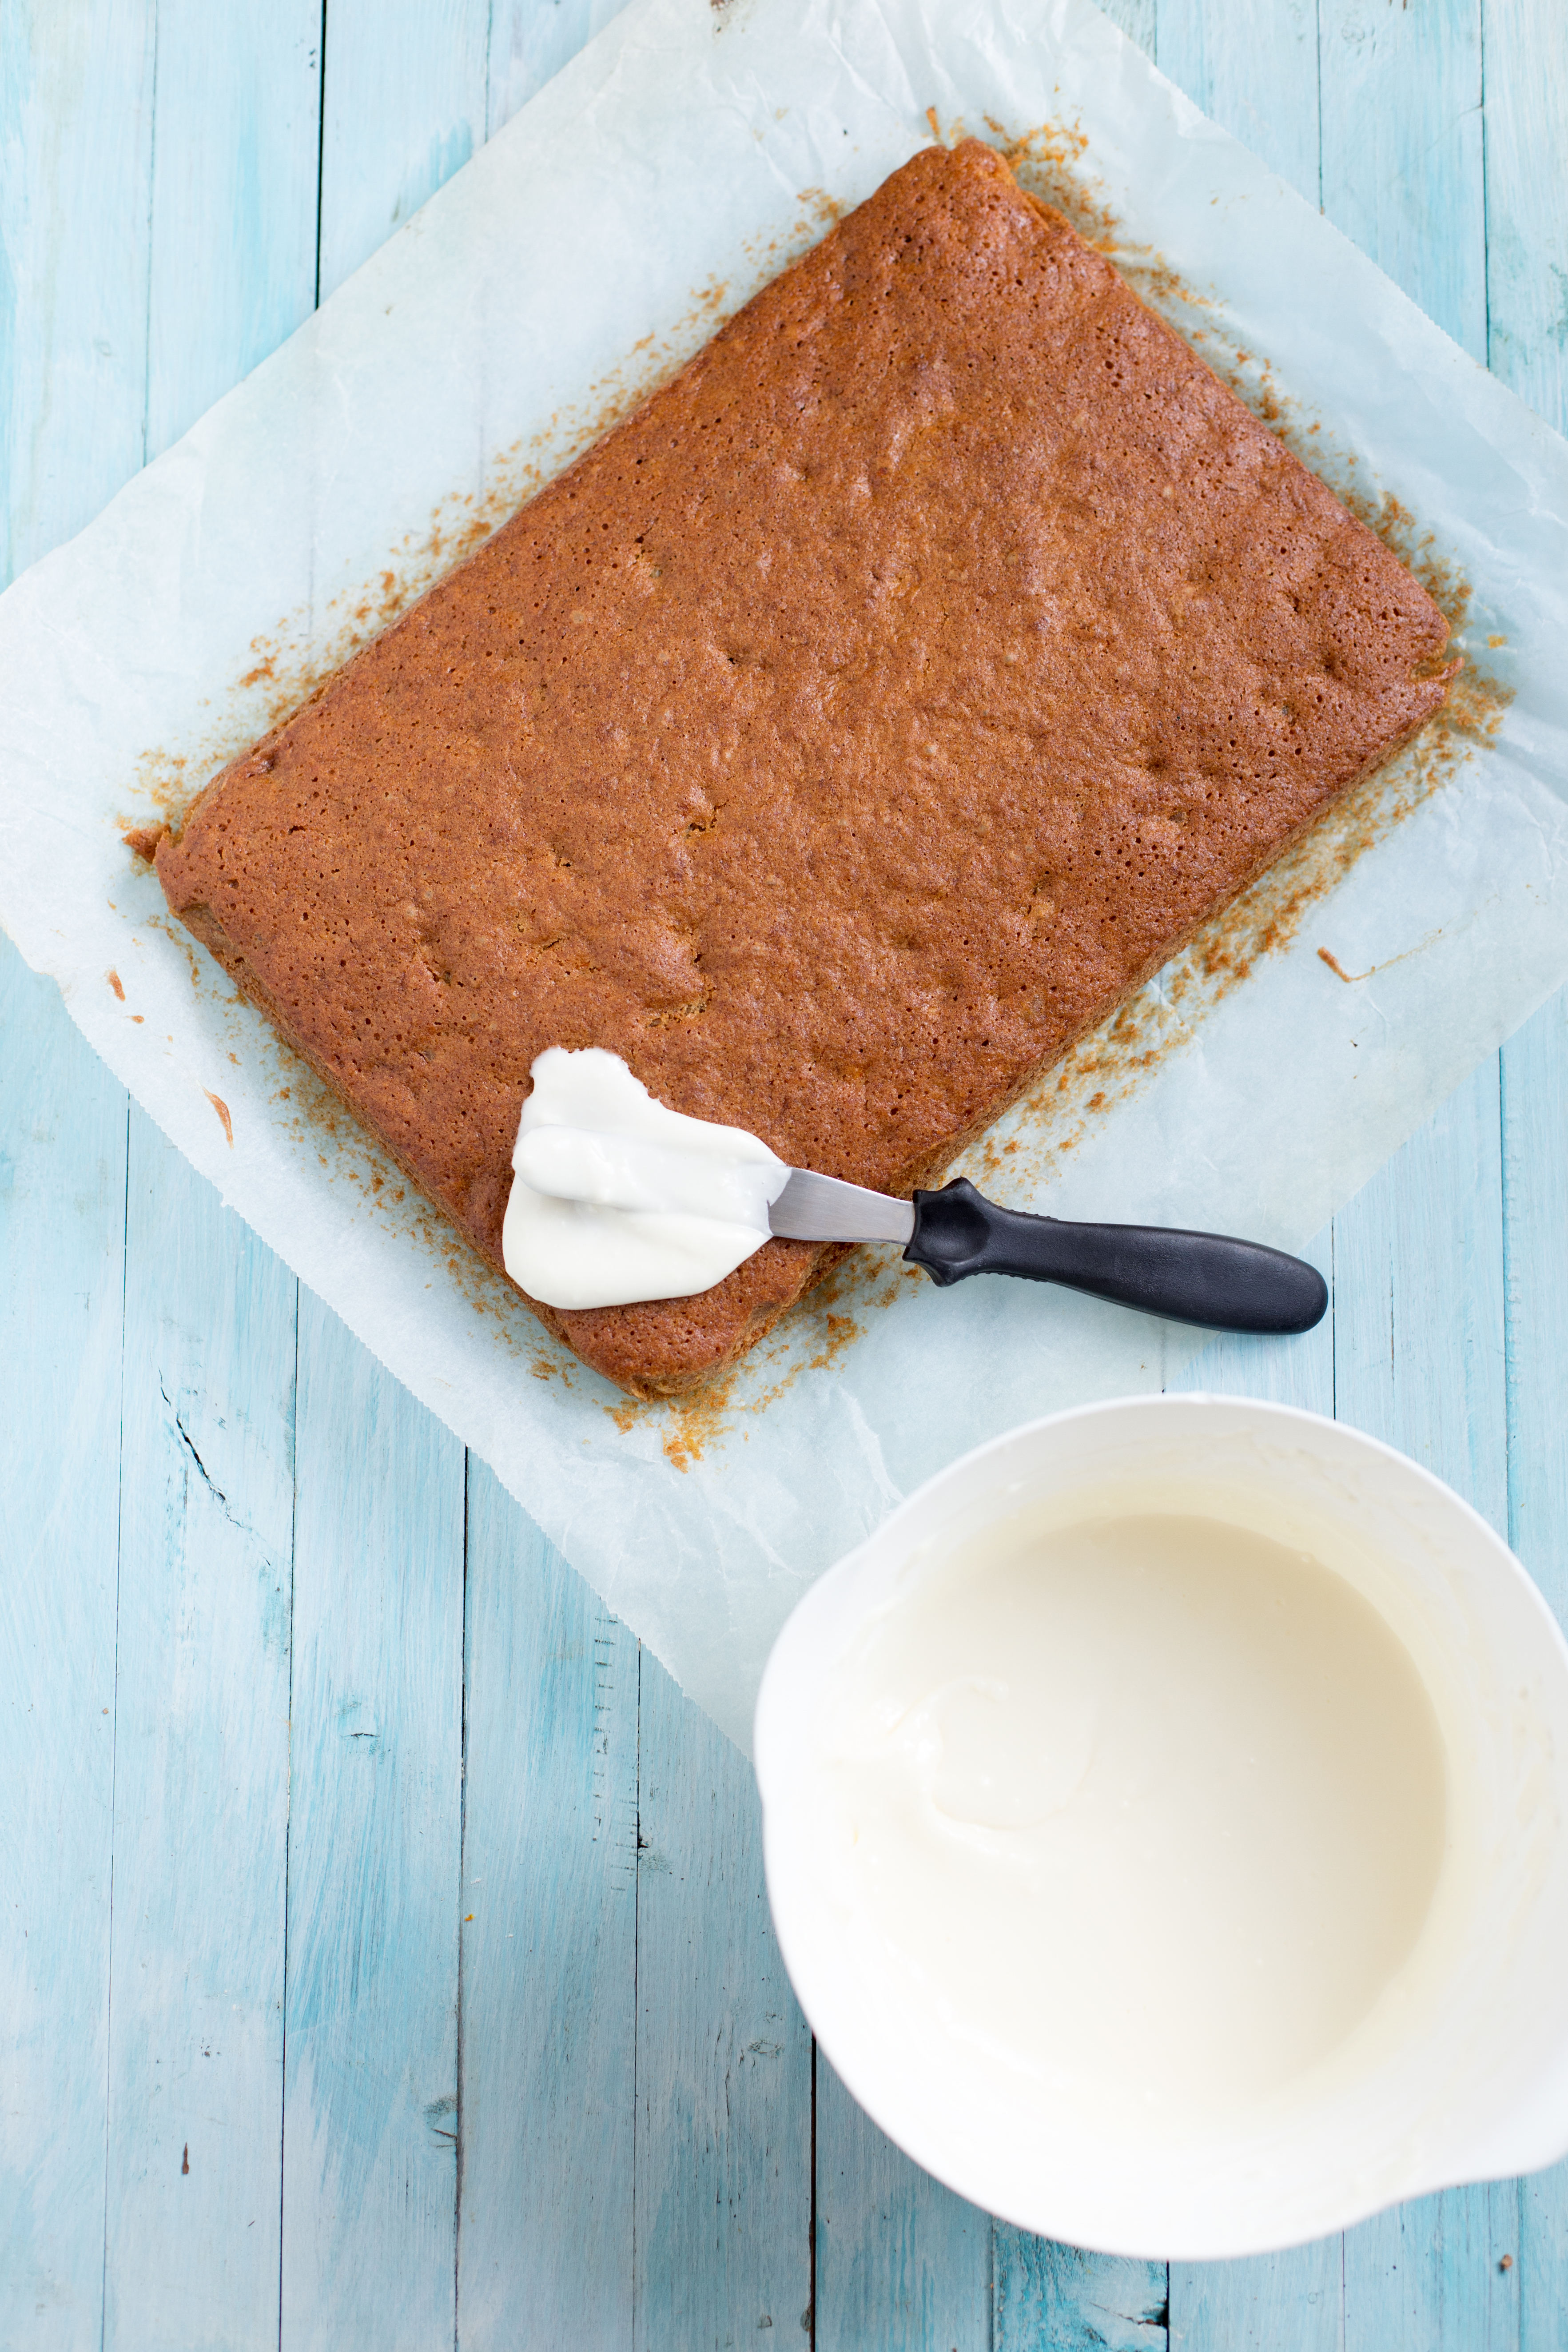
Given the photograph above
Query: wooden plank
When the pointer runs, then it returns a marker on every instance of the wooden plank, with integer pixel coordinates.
(202, 1780)
(1422, 1362)
(75, 166)
(1419, 1331)
(1290, 2302)
(901, 2262)
(370, 2088)
(724, 2056)
(1414, 194)
(1557, 1523)
(1527, 275)
(1051, 2298)
(1527, 318)
(236, 129)
(1419, 1350)
(1429, 2276)
(1543, 2261)
(402, 108)
(1254, 70)
(548, 2044)
(62, 1232)
(76, 145)
(371, 2083)
(1526, 48)
(201, 1791)
(530, 42)
(1526, 52)
(1402, 149)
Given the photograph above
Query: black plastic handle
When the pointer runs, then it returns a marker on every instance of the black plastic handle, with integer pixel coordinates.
(1207, 1278)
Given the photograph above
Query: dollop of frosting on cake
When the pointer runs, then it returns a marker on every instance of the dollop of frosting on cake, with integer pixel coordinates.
(616, 1198)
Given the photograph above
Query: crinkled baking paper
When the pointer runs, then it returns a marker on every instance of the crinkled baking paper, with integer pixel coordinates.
(673, 167)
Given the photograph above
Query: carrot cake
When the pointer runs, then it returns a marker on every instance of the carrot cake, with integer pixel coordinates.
(837, 740)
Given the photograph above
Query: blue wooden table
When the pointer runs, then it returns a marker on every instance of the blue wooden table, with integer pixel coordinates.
(384, 1958)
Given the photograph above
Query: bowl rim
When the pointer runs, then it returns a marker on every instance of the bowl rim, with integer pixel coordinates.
(790, 1658)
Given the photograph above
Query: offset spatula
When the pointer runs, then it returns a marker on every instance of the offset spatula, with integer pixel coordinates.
(1206, 1278)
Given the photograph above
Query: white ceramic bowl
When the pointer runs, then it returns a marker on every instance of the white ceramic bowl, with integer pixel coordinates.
(1479, 2088)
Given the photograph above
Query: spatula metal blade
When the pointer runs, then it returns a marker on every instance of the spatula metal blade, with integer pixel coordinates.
(813, 1208)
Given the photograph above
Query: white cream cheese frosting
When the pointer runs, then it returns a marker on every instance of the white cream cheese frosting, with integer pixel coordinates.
(616, 1198)
(1147, 1810)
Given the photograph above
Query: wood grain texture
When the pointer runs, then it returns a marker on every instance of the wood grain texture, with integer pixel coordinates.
(1419, 1345)
(546, 2104)
(1419, 1335)
(75, 164)
(1429, 2276)
(1051, 2298)
(1419, 1356)
(62, 1250)
(1255, 68)
(528, 43)
(403, 107)
(75, 175)
(369, 2081)
(201, 1790)
(1526, 319)
(636, 2151)
(202, 1780)
(1402, 149)
(1535, 1189)
(1526, 78)
(233, 248)
(1525, 70)
(723, 2057)
(1290, 2302)
(901, 2262)
(1543, 2260)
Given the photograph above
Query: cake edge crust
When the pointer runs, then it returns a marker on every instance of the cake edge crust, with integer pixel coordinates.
(659, 1386)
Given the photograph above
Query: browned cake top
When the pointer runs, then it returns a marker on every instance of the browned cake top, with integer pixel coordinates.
(835, 741)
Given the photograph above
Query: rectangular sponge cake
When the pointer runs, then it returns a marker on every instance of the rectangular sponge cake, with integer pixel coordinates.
(837, 740)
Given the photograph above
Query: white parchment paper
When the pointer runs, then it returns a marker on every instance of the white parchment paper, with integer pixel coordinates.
(672, 168)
